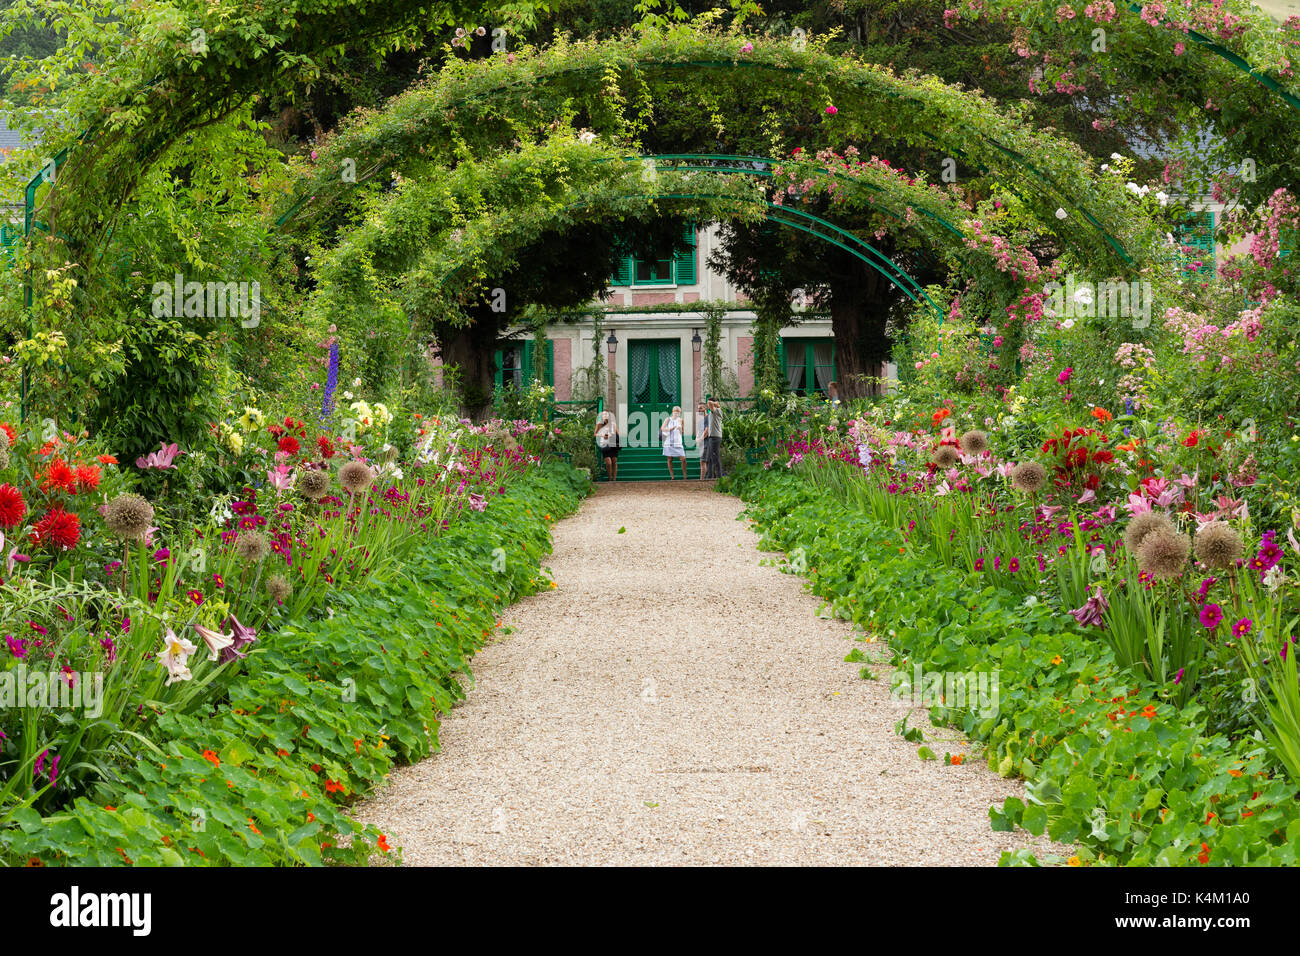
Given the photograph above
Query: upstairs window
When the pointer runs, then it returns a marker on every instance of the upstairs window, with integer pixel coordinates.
(679, 270)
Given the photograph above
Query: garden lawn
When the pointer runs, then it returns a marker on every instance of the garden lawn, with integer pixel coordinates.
(322, 712)
(1109, 766)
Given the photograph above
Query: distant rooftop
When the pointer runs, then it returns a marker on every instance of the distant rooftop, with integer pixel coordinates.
(11, 139)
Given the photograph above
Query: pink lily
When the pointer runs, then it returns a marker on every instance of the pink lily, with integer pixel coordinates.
(1169, 497)
(1230, 508)
(1155, 487)
(1087, 497)
(1187, 481)
(1137, 505)
(160, 459)
(281, 479)
(1106, 514)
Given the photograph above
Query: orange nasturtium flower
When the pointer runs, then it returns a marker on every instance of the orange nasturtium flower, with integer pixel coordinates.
(383, 843)
(1101, 414)
(212, 758)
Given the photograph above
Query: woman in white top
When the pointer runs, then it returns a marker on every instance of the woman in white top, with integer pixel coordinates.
(671, 432)
(607, 439)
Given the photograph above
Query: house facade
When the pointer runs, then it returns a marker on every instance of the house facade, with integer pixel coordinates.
(656, 356)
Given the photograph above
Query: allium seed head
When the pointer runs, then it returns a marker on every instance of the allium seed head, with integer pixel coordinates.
(355, 476)
(1028, 477)
(1148, 522)
(974, 442)
(314, 483)
(1218, 545)
(279, 588)
(1163, 555)
(128, 517)
(252, 546)
(945, 456)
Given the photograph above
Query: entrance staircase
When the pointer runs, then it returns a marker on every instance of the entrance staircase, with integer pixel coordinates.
(647, 464)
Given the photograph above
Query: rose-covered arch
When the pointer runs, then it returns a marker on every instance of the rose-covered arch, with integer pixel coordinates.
(1220, 64)
(434, 244)
(611, 87)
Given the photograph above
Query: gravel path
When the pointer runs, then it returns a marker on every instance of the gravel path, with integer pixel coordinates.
(675, 701)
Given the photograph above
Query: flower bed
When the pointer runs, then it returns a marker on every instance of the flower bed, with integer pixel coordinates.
(1113, 762)
(322, 710)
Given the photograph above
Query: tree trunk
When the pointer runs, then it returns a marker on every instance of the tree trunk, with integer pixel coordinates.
(859, 303)
(466, 349)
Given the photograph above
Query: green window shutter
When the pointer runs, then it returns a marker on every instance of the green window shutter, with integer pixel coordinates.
(528, 361)
(550, 362)
(498, 364)
(623, 275)
(1198, 235)
(684, 262)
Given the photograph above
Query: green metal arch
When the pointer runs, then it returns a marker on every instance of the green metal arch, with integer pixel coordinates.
(767, 172)
(1240, 62)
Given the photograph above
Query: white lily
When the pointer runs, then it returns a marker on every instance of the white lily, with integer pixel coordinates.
(175, 657)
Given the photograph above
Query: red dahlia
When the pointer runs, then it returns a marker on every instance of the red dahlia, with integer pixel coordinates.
(60, 477)
(59, 527)
(289, 445)
(9, 430)
(87, 477)
(326, 447)
(12, 506)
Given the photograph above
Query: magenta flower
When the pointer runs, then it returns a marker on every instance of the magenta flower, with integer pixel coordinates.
(1091, 614)
(1242, 627)
(1211, 616)
(1066, 375)
(243, 636)
(831, 111)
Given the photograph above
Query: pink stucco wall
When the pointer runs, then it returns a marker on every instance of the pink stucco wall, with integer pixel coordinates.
(563, 369)
(652, 298)
(745, 363)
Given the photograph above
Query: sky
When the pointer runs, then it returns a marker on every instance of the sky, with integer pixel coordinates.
(1280, 9)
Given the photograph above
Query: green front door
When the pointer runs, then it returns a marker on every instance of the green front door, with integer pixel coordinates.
(654, 385)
